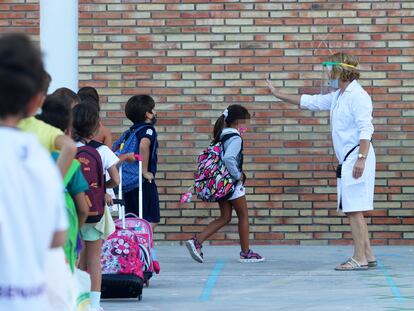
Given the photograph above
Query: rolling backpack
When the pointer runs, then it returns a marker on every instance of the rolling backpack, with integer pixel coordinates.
(212, 180)
(92, 169)
(143, 232)
(122, 266)
(127, 259)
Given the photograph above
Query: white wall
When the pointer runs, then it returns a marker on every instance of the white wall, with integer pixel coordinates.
(59, 41)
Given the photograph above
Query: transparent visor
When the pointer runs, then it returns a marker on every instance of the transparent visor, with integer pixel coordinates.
(330, 75)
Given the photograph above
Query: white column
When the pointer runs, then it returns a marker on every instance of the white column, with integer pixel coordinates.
(59, 41)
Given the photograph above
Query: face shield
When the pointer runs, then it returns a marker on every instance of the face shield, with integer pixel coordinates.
(330, 76)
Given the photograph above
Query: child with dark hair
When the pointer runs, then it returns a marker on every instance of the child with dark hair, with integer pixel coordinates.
(88, 91)
(68, 95)
(85, 124)
(32, 210)
(141, 138)
(57, 112)
(49, 136)
(89, 95)
(228, 129)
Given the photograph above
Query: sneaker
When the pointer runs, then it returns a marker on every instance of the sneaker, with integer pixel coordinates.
(194, 247)
(250, 257)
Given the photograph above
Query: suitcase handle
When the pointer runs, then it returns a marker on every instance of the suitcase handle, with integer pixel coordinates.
(131, 214)
(118, 201)
(122, 215)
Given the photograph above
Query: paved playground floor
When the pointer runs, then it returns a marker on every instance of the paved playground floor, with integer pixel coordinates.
(293, 278)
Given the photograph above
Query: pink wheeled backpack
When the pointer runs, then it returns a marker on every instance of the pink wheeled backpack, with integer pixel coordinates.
(122, 268)
(143, 233)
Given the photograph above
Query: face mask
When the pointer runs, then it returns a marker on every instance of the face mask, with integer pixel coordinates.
(154, 119)
(334, 83)
(242, 130)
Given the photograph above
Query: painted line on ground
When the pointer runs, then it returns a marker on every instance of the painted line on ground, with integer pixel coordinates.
(390, 281)
(211, 281)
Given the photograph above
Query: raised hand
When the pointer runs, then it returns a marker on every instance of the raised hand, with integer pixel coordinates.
(271, 87)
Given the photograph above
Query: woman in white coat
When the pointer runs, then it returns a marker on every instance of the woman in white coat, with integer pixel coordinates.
(351, 123)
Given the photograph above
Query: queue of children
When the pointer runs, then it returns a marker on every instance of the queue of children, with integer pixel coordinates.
(57, 165)
(46, 205)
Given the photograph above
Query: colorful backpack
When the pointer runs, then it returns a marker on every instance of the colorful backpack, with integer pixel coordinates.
(212, 181)
(72, 235)
(121, 254)
(143, 231)
(92, 170)
(128, 143)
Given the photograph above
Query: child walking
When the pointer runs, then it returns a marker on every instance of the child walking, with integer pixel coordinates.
(85, 125)
(232, 121)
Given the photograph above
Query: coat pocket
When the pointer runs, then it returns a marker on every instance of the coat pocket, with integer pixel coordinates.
(347, 171)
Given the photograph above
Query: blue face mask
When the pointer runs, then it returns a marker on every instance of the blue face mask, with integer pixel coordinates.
(334, 83)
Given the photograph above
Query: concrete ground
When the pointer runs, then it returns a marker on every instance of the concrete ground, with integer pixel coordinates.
(292, 278)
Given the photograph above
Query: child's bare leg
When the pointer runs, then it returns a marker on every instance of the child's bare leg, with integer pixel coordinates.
(153, 225)
(240, 205)
(93, 262)
(82, 259)
(217, 224)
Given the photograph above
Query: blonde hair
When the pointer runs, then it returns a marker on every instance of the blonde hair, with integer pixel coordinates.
(345, 73)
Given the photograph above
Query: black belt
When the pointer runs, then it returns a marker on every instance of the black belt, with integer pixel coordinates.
(339, 167)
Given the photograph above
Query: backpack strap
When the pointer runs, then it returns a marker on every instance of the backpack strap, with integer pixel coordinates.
(72, 170)
(131, 131)
(94, 144)
(134, 131)
(117, 144)
(226, 137)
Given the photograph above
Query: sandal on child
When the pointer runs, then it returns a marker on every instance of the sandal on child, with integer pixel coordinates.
(353, 265)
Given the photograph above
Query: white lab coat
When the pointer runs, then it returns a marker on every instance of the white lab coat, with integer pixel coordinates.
(351, 121)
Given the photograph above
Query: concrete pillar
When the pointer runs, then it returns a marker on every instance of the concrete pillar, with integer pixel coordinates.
(59, 41)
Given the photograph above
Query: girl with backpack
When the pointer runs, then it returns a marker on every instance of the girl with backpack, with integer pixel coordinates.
(227, 130)
(96, 159)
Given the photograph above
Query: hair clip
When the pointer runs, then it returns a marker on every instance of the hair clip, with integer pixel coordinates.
(225, 113)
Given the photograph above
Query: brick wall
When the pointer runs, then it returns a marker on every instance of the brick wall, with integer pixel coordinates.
(196, 57)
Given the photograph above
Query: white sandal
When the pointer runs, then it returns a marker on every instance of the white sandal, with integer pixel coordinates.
(353, 266)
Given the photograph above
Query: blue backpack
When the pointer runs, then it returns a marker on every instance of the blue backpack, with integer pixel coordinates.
(127, 143)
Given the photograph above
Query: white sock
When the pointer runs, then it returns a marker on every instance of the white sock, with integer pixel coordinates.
(95, 300)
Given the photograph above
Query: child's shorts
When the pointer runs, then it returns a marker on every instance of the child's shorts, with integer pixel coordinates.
(238, 192)
(90, 233)
(150, 200)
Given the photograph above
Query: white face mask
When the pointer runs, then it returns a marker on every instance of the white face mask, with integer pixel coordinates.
(334, 83)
